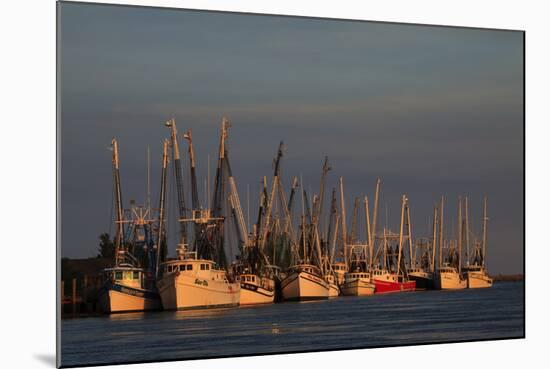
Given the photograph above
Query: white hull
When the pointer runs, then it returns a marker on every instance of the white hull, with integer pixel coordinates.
(333, 290)
(127, 300)
(358, 287)
(478, 280)
(184, 291)
(304, 286)
(253, 295)
(450, 281)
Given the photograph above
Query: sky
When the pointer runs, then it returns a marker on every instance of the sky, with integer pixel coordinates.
(430, 110)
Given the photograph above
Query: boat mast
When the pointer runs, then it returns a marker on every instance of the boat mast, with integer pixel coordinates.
(369, 235)
(118, 199)
(179, 180)
(434, 239)
(219, 191)
(274, 182)
(161, 203)
(343, 217)
(403, 204)
(485, 219)
(194, 190)
(409, 236)
(375, 215)
(303, 220)
(459, 231)
(355, 215)
(467, 230)
(148, 178)
(236, 203)
(319, 208)
(441, 232)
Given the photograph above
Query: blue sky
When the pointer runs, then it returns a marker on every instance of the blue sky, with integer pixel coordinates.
(430, 110)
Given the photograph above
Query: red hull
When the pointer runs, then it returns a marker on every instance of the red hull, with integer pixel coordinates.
(390, 286)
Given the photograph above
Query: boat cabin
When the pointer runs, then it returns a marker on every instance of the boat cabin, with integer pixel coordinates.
(125, 275)
(447, 269)
(357, 275)
(308, 268)
(198, 268)
(385, 275)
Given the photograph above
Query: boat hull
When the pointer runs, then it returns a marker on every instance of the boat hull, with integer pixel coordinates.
(185, 292)
(478, 280)
(423, 282)
(358, 287)
(333, 290)
(117, 298)
(253, 295)
(450, 281)
(393, 286)
(304, 286)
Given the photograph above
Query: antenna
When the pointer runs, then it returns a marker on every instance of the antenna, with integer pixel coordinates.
(148, 178)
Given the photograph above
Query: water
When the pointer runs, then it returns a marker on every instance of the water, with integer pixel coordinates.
(344, 322)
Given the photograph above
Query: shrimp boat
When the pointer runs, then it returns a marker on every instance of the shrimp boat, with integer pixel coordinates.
(256, 289)
(128, 287)
(448, 278)
(424, 274)
(423, 278)
(448, 275)
(257, 274)
(200, 279)
(358, 284)
(190, 282)
(304, 282)
(388, 282)
(476, 273)
(358, 281)
(388, 279)
(310, 278)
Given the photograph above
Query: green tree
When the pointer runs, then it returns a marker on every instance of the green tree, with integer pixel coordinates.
(106, 246)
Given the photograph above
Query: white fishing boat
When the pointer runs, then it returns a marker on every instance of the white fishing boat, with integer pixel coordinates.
(476, 273)
(358, 284)
(128, 287)
(448, 278)
(304, 282)
(477, 277)
(447, 275)
(124, 291)
(193, 283)
(256, 290)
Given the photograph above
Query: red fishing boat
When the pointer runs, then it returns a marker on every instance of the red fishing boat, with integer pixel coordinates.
(386, 282)
(387, 279)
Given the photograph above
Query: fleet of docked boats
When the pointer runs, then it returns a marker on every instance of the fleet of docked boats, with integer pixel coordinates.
(288, 254)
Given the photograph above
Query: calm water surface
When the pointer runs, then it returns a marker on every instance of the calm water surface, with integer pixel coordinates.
(344, 322)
